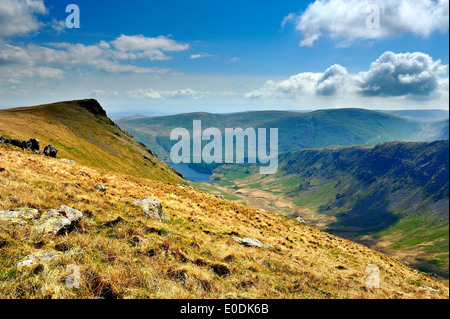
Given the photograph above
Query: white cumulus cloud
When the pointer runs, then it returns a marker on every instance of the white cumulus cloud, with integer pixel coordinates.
(19, 17)
(402, 74)
(345, 20)
(148, 48)
(412, 75)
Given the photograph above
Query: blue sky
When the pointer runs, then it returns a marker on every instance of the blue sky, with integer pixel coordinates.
(223, 56)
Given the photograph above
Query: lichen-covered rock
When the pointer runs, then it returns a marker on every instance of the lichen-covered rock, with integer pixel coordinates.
(250, 242)
(50, 150)
(55, 221)
(300, 220)
(100, 187)
(152, 208)
(38, 257)
(20, 216)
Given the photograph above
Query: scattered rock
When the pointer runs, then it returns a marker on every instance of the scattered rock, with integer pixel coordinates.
(300, 220)
(56, 221)
(250, 242)
(34, 145)
(406, 263)
(38, 257)
(100, 187)
(220, 196)
(20, 216)
(152, 208)
(15, 142)
(31, 145)
(50, 151)
(67, 161)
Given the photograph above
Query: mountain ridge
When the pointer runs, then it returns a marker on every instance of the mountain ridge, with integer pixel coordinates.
(82, 131)
(319, 128)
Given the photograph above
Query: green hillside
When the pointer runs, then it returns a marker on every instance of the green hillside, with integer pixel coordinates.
(81, 131)
(296, 130)
(394, 196)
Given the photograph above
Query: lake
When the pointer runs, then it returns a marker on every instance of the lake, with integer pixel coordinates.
(189, 173)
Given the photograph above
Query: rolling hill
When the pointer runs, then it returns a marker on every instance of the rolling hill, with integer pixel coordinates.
(296, 130)
(81, 131)
(120, 251)
(422, 115)
(393, 196)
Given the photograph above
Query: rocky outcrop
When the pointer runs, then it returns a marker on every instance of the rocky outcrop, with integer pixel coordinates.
(33, 145)
(92, 106)
(38, 257)
(20, 216)
(30, 145)
(53, 221)
(56, 221)
(152, 207)
(50, 151)
(250, 242)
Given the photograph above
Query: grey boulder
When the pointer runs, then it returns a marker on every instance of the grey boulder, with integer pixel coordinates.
(250, 242)
(38, 257)
(55, 221)
(20, 216)
(152, 208)
(50, 151)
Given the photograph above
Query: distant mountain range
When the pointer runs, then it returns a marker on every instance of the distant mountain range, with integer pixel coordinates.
(422, 115)
(296, 130)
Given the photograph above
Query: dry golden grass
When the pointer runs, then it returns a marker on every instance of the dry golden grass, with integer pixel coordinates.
(86, 138)
(186, 257)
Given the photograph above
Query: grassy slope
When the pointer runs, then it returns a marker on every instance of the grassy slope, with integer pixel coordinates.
(393, 197)
(175, 258)
(88, 138)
